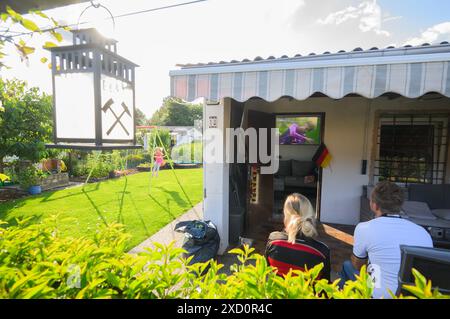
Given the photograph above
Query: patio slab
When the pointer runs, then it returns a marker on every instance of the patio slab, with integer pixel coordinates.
(167, 234)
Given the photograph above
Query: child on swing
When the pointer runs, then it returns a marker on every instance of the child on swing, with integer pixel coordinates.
(159, 160)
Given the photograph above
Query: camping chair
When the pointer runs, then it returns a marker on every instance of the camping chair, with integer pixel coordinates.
(298, 256)
(432, 263)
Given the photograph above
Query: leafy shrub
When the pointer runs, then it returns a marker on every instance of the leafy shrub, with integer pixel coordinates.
(79, 170)
(187, 153)
(156, 137)
(134, 160)
(30, 176)
(35, 262)
(100, 164)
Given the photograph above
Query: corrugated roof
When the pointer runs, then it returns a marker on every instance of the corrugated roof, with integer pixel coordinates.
(342, 54)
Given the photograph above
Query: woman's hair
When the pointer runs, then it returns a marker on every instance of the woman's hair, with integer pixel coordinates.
(299, 215)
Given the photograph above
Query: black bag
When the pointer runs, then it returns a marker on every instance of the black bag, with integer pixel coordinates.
(201, 240)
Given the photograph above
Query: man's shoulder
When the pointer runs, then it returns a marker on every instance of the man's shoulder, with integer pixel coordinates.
(415, 229)
(375, 222)
(365, 226)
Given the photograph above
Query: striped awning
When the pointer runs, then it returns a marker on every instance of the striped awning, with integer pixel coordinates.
(370, 74)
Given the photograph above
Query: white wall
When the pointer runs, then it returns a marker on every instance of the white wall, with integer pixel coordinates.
(216, 176)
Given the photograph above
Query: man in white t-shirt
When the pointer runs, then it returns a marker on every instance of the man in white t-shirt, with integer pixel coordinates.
(377, 242)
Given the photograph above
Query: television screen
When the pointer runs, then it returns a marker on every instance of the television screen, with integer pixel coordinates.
(299, 130)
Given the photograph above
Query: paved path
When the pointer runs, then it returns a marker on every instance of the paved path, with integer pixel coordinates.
(167, 234)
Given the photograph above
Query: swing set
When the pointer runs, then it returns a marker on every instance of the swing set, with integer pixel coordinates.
(156, 140)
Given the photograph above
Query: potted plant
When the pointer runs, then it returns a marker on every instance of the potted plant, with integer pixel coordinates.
(29, 179)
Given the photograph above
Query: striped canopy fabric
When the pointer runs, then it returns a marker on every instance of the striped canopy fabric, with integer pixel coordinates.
(408, 79)
(408, 71)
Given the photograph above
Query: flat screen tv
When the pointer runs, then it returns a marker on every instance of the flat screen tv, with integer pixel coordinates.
(298, 130)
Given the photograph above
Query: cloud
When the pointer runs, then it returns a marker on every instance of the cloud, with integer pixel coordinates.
(368, 14)
(432, 34)
(391, 18)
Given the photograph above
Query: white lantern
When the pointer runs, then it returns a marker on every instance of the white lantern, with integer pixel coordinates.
(93, 94)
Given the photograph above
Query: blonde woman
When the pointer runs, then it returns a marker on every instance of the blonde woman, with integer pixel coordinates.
(295, 246)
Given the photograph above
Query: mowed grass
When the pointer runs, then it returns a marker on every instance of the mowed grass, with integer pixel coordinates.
(127, 200)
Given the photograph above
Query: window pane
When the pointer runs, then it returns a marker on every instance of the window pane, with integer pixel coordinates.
(412, 148)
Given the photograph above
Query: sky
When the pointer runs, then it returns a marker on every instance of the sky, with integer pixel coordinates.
(224, 30)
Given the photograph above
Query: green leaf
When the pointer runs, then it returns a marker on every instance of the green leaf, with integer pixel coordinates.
(28, 50)
(49, 44)
(37, 291)
(419, 279)
(10, 10)
(55, 22)
(39, 13)
(236, 251)
(57, 35)
(4, 16)
(25, 50)
(13, 14)
(44, 60)
(30, 25)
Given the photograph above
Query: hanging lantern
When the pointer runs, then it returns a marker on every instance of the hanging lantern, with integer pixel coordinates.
(93, 94)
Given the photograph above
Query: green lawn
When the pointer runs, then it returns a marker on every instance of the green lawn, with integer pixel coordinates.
(127, 200)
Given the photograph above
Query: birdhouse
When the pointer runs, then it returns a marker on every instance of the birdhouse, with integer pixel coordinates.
(93, 94)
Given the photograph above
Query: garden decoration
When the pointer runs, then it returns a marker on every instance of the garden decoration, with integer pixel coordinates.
(93, 94)
(4, 178)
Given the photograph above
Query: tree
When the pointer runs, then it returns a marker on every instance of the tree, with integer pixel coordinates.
(10, 18)
(140, 117)
(25, 123)
(175, 112)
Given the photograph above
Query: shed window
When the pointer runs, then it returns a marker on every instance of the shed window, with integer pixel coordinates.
(412, 148)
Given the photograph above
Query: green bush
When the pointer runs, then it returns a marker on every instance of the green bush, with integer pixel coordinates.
(99, 164)
(30, 176)
(134, 160)
(79, 170)
(158, 138)
(188, 153)
(35, 262)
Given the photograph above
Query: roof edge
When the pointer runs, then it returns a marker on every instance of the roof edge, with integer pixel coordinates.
(310, 64)
(358, 52)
